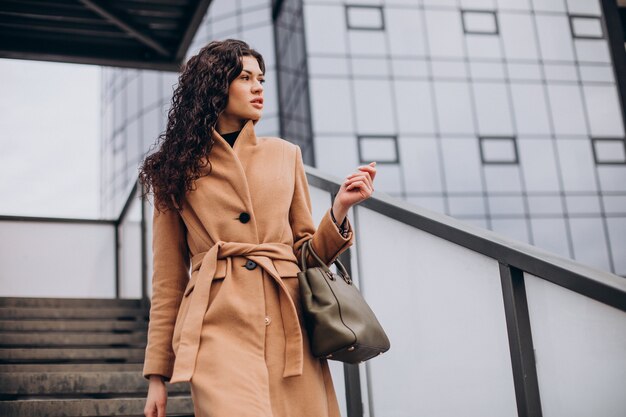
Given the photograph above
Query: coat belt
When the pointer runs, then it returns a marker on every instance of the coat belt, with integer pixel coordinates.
(262, 254)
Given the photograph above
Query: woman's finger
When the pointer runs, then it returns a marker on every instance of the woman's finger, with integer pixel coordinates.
(363, 176)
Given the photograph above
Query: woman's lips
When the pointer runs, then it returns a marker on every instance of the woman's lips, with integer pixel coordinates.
(257, 104)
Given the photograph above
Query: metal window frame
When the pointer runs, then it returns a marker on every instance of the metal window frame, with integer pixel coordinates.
(597, 160)
(394, 138)
(364, 6)
(483, 158)
(479, 32)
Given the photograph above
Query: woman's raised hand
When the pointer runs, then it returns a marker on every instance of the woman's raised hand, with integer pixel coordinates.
(357, 187)
(157, 397)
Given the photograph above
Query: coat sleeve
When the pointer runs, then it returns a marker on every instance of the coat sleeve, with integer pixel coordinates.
(327, 241)
(171, 264)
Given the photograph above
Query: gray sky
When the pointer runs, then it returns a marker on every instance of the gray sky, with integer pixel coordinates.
(49, 139)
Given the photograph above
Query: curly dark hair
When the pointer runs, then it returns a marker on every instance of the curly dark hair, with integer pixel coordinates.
(199, 98)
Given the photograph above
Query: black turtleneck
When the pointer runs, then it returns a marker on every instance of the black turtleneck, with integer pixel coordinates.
(230, 137)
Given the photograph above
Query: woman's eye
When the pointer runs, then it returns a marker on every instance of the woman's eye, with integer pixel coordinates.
(261, 81)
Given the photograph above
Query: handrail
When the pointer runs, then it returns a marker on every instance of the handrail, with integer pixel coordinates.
(599, 285)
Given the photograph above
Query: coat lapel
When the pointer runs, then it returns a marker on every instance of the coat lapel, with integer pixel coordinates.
(234, 164)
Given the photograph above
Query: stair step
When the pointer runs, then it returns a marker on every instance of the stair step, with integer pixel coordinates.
(71, 325)
(48, 355)
(70, 367)
(78, 383)
(72, 339)
(68, 302)
(71, 313)
(176, 405)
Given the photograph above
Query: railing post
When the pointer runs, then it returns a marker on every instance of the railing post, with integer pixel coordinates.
(351, 373)
(520, 342)
(144, 250)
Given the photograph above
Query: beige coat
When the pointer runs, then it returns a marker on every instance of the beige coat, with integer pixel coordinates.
(233, 327)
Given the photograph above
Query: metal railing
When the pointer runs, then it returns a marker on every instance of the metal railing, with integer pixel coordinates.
(515, 266)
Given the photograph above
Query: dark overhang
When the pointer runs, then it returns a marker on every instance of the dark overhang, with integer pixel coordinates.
(123, 33)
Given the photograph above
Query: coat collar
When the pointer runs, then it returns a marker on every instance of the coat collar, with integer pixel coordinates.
(246, 139)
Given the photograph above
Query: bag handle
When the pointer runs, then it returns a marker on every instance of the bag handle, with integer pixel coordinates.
(308, 246)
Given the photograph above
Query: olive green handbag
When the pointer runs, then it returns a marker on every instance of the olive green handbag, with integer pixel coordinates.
(339, 323)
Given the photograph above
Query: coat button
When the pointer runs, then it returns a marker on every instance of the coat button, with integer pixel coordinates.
(244, 217)
(250, 265)
(268, 320)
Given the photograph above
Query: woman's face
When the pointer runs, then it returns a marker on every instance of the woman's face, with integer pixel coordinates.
(245, 95)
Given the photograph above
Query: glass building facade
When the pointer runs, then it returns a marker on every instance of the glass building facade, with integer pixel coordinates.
(502, 113)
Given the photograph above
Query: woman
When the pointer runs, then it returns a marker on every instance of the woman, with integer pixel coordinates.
(235, 209)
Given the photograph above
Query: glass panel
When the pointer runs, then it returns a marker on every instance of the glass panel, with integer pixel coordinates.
(551, 235)
(78, 260)
(487, 70)
(374, 109)
(603, 109)
(502, 178)
(492, 109)
(337, 155)
(615, 204)
(440, 317)
(560, 72)
(602, 73)
(462, 165)
(591, 50)
(465, 206)
(538, 162)
(420, 164)
(582, 204)
(454, 110)
(539, 205)
(617, 234)
(531, 109)
(483, 46)
(389, 178)
(513, 5)
(405, 31)
(331, 106)
(555, 39)
(414, 107)
(448, 69)
(549, 5)
(567, 109)
(612, 178)
(413, 68)
(518, 35)
(524, 72)
(331, 40)
(478, 4)
(445, 35)
(579, 350)
(368, 42)
(577, 166)
(327, 66)
(376, 67)
(430, 203)
(590, 243)
(584, 7)
(506, 205)
(514, 228)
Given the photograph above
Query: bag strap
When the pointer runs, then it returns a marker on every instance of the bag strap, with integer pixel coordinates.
(308, 246)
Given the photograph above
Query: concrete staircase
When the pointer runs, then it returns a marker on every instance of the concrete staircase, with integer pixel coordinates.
(76, 357)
